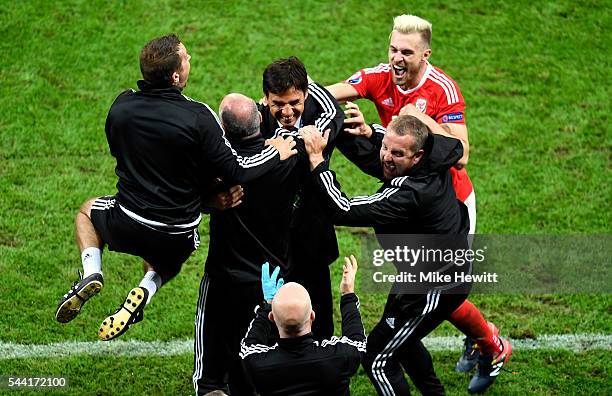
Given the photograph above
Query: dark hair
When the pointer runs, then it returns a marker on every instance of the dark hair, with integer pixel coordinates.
(410, 125)
(159, 59)
(238, 128)
(284, 74)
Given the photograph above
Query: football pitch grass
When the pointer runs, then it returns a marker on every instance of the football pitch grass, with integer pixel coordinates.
(536, 80)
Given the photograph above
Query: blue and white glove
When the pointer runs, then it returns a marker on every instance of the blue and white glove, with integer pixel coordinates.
(269, 284)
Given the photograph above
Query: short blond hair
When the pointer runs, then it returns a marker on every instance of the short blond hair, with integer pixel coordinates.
(407, 24)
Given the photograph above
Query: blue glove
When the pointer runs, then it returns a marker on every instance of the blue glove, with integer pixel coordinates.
(269, 285)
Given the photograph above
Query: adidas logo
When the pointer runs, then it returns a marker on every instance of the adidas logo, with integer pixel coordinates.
(498, 363)
(388, 102)
(496, 369)
(391, 322)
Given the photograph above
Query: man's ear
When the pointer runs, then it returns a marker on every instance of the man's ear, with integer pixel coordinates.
(271, 316)
(312, 316)
(418, 156)
(175, 78)
(305, 95)
(426, 54)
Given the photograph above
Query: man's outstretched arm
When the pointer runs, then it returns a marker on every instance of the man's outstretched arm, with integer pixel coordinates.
(343, 92)
(352, 326)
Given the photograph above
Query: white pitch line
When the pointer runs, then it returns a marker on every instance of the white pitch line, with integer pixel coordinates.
(567, 342)
(9, 350)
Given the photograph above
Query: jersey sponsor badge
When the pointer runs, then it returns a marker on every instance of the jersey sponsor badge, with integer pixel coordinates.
(421, 104)
(452, 117)
(355, 78)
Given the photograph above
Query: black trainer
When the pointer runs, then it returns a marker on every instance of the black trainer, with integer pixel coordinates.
(489, 368)
(129, 313)
(82, 290)
(469, 358)
(471, 352)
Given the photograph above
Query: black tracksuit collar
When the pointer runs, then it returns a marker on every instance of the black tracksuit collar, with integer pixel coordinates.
(255, 142)
(441, 153)
(147, 86)
(296, 342)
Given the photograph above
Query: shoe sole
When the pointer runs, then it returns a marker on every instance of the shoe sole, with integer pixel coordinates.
(119, 322)
(71, 308)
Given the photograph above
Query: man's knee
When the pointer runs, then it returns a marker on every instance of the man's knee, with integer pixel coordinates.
(167, 272)
(86, 207)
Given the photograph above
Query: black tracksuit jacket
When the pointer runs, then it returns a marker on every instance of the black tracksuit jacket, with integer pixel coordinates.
(302, 366)
(258, 230)
(418, 209)
(168, 148)
(312, 231)
(421, 202)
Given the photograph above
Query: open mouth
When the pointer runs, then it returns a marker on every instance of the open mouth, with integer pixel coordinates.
(287, 121)
(389, 167)
(399, 71)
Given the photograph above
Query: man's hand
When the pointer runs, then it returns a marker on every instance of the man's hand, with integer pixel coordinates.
(356, 121)
(227, 199)
(314, 143)
(410, 109)
(347, 284)
(269, 284)
(453, 130)
(285, 147)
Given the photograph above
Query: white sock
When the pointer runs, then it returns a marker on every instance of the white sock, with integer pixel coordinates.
(152, 282)
(92, 261)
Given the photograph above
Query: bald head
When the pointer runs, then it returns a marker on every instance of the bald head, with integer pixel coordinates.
(239, 116)
(292, 310)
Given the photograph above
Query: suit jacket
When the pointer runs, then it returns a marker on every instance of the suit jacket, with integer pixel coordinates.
(312, 231)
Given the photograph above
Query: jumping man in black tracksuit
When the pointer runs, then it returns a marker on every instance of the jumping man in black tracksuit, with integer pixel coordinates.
(167, 147)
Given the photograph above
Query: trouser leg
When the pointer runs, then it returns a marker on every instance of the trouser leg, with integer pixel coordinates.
(380, 363)
(318, 283)
(243, 306)
(416, 361)
(395, 343)
(211, 355)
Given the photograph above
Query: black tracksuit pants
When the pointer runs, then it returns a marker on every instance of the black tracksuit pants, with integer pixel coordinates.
(223, 314)
(395, 342)
(316, 279)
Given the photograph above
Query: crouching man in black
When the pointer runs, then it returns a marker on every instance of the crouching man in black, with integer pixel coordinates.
(297, 364)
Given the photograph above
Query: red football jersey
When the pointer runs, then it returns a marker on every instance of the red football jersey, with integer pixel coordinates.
(436, 95)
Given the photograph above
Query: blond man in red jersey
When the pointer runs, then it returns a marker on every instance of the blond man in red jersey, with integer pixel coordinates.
(409, 85)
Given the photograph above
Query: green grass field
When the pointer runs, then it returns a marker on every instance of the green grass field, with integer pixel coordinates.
(536, 78)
